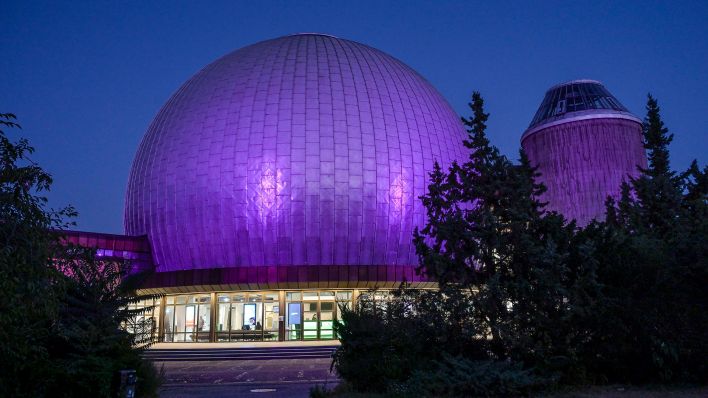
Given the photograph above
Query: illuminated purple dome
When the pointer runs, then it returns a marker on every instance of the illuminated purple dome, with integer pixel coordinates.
(302, 150)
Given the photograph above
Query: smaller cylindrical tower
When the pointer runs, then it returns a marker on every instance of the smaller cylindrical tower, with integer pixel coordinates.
(584, 143)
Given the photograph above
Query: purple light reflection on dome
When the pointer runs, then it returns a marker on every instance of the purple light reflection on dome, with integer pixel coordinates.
(301, 150)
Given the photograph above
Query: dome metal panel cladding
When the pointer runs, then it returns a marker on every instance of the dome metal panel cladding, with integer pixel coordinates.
(302, 150)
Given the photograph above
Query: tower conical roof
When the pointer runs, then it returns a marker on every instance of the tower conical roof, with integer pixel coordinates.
(575, 99)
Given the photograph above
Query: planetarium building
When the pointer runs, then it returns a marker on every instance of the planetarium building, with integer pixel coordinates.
(283, 179)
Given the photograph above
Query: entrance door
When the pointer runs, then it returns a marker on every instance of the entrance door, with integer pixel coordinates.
(190, 326)
(311, 321)
(187, 318)
(316, 310)
(326, 320)
(293, 328)
(168, 323)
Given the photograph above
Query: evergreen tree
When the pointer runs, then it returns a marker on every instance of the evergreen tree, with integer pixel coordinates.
(488, 233)
(526, 298)
(656, 140)
(652, 255)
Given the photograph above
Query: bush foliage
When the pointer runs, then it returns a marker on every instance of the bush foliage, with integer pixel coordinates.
(527, 299)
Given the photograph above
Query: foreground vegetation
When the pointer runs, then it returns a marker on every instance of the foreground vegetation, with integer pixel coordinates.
(61, 310)
(529, 301)
(605, 391)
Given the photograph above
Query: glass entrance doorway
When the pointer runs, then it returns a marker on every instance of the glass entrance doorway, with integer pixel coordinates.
(311, 314)
(247, 316)
(293, 328)
(187, 319)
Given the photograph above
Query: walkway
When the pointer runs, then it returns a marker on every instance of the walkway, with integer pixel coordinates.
(245, 378)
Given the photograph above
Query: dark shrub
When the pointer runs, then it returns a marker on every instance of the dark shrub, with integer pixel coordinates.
(461, 377)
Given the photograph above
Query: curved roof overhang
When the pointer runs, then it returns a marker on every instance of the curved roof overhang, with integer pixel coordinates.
(578, 116)
(285, 277)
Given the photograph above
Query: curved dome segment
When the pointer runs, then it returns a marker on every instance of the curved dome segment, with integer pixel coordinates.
(301, 150)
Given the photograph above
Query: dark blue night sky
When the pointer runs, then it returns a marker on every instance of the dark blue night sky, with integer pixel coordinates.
(86, 80)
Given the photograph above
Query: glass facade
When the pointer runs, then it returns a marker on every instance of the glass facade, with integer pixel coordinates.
(252, 316)
(187, 318)
(311, 315)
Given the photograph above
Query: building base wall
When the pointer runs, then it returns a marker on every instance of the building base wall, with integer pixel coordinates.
(583, 162)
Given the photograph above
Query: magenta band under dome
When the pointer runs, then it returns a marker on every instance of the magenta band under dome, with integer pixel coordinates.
(305, 150)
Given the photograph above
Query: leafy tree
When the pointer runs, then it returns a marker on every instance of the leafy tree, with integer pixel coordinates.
(61, 309)
(29, 301)
(89, 345)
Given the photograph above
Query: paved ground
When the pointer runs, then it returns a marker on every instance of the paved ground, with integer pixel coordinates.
(245, 378)
(277, 390)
